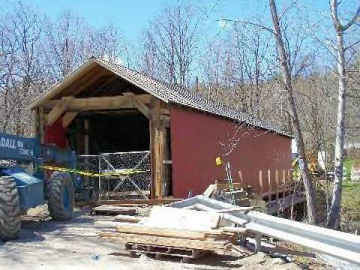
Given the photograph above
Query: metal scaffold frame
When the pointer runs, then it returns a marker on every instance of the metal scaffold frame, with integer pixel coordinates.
(118, 172)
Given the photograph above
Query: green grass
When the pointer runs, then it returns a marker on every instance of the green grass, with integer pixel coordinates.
(351, 200)
(351, 187)
(348, 163)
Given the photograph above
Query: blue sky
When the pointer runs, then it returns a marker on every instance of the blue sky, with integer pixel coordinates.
(131, 17)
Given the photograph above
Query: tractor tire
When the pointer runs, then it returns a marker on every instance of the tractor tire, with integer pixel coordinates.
(10, 222)
(61, 196)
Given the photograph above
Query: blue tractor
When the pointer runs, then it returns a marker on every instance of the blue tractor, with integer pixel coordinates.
(21, 190)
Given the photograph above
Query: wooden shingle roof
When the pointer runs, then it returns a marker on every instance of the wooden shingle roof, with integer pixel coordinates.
(167, 93)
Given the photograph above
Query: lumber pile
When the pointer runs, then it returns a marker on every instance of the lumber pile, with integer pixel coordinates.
(175, 232)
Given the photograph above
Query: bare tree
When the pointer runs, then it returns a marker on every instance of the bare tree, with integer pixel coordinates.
(237, 67)
(288, 85)
(22, 74)
(70, 41)
(170, 44)
(35, 52)
(340, 29)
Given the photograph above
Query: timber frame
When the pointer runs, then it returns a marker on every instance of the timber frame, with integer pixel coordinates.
(98, 86)
(154, 109)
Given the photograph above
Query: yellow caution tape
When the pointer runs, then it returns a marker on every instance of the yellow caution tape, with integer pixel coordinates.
(121, 172)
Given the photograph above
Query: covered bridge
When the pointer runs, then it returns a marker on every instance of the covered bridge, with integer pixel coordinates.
(116, 109)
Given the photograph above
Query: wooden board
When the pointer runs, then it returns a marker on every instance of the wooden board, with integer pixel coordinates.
(138, 201)
(68, 118)
(127, 218)
(165, 251)
(58, 110)
(210, 245)
(172, 233)
(110, 209)
(138, 104)
(177, 218)
(99, 103)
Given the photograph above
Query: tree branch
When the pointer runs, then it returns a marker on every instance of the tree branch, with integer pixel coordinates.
(249, 23)
(352, 21)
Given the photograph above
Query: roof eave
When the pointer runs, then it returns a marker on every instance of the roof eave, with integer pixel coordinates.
(232, 119)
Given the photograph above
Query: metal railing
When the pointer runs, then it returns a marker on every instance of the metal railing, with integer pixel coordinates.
(341, 245)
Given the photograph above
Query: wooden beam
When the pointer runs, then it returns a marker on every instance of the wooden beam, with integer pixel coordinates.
(86, 136)
(86, 81)
(152, 130)
(165, 120)
(58, 110)
(139, 201)
(68, 118)
(138, 104)
(166, 232)
(99, 103)
(157, 143)
(165, 124)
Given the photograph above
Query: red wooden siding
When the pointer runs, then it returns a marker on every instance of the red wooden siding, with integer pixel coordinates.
(196, 142)
(56, 134)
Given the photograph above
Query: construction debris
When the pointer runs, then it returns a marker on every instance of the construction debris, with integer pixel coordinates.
(325, 241)
(200, 225)
(176, 232)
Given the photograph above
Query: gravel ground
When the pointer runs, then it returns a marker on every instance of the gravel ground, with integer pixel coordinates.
(75, 245)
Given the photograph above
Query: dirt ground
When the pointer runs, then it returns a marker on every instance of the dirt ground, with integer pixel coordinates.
(46, 244)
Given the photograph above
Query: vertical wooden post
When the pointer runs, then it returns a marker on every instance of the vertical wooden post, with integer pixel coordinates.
(284, 177)
(166, 167)
(277, 184)
(241, 179)
(157, 143)
(261, 184)
(284, 181)
(86, 137)
(160, 163)
(269, 182)
(152, 155)
(87, 145)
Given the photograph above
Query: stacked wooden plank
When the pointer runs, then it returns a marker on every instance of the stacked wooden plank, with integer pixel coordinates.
(113, 210)
(175, 232)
